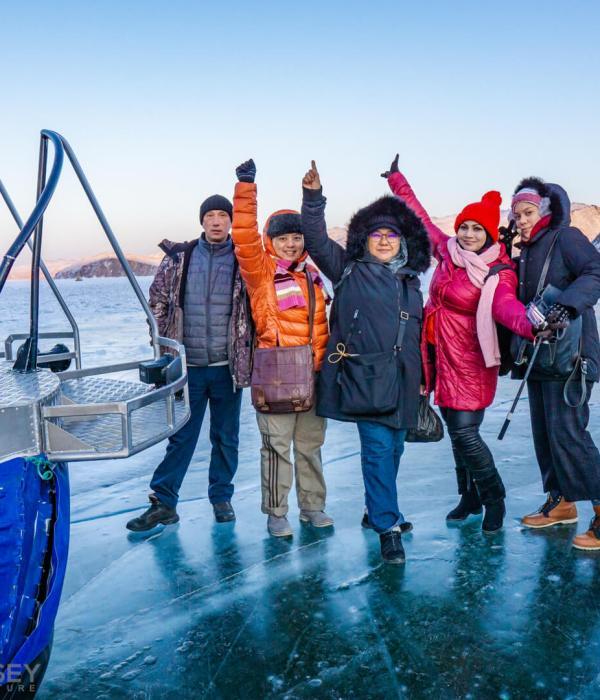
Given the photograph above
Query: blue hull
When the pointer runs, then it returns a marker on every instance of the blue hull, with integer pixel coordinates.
(34, 544)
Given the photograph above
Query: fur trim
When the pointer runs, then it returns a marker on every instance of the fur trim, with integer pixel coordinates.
(417, 241)
(557, 199)
(534, 183)
(280, 224)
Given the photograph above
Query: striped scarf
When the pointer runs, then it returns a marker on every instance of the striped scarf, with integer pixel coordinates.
(287, 289)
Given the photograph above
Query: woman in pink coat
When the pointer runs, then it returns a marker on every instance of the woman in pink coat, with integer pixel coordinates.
(473, 287)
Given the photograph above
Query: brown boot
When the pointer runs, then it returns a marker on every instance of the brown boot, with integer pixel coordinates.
(590, 540)
(555, 511)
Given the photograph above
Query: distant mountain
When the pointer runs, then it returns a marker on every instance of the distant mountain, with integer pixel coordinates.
(108, 265)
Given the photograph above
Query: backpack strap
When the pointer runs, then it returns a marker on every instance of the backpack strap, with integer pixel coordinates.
(345, 274)
(496, 269)
(404, 316)
(542, 280)
(312, 304)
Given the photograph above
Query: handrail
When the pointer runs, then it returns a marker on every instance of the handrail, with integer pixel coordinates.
(59, 298)
(35, 216)
(112, 239)
(61, 145)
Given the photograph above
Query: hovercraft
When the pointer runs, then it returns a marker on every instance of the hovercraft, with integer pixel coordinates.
(50, 415)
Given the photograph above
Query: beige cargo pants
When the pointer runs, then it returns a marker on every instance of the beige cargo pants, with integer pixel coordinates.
(306, 431)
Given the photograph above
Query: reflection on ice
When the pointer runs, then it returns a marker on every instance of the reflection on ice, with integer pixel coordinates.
(223, 611)
(206, 610)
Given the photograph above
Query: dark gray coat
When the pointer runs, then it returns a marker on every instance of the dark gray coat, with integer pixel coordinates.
(208, 302)
(167, 300)
(574, 268)
(372, 289)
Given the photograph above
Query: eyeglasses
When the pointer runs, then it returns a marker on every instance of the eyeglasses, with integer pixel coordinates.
(378, 236)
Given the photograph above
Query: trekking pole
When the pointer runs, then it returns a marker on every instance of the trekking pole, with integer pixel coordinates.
(536, 346)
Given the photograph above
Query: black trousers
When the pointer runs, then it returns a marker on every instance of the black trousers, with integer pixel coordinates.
(567, 456)
(475, 467)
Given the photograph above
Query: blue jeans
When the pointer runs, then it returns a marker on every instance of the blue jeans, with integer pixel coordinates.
(380, 451)
(212, 386)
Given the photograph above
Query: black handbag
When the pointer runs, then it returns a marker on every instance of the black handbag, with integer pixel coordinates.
(429, 425)
(369, 383)
(557, 357)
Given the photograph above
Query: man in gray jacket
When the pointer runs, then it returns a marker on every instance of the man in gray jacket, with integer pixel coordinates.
(199, 299)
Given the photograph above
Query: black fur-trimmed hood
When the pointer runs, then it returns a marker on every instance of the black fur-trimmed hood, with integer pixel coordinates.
(417, 241)
(560, 204)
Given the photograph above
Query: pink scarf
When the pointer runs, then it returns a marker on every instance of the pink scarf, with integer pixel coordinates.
(477, 267)
(287, 290)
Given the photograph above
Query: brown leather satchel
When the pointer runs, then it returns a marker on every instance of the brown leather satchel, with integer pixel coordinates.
(283, 379)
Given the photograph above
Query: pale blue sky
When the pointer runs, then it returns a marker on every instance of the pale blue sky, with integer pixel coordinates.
(162, 100)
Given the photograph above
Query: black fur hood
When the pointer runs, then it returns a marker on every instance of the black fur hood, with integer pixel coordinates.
(417, 241)
(560, 204)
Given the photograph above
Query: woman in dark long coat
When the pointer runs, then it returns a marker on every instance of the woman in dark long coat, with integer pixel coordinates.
(376, 313)
(569, 460)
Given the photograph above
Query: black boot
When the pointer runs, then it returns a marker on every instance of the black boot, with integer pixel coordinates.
(494, 516)
(479, 461)
(469, 503)
(157, 514)
(492, 494)
(224, 512)
(392, 550)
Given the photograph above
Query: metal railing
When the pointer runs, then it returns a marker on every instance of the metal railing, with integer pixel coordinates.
(33, 227)
(74, 334)
(94, 415)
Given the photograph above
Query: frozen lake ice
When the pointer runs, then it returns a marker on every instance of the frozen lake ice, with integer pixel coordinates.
(224, 611)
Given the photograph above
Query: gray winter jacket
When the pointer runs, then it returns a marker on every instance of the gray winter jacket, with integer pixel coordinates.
(207, 302)
(198, 298)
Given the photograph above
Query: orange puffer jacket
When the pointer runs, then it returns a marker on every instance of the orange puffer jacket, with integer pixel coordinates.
(257, 265)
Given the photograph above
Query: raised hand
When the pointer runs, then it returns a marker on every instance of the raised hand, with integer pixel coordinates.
(246, 172)
(312, 181)
(393, 167)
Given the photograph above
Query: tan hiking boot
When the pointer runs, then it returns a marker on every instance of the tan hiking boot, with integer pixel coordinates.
(590, 540)
(555, 511)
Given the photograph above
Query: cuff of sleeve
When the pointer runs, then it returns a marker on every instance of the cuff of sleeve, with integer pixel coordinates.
(312, 195)
(396, 181)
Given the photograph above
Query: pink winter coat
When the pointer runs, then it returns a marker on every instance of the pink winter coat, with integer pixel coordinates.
(456, 371)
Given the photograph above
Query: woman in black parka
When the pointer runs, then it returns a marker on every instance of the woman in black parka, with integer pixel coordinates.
(567, 456)
(377, 307)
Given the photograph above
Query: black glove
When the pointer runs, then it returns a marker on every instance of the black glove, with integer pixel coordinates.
(558, 316)
(507, 233)
(246, 172)
(393, 167)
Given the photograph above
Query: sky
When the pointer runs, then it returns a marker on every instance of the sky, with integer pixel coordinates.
(161, 101)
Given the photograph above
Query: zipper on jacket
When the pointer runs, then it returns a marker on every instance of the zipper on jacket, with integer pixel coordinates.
(208, 288)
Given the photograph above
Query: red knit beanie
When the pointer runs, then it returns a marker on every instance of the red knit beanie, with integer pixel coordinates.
(486, 212)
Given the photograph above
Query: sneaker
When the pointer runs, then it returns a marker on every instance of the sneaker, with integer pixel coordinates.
(494, 517)
(469, 504)
(157, 514)
(555, 511)
(405, 527)
(392, 550)
(279, 526)
(224, 512)
(590, 541)
(317, 518)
